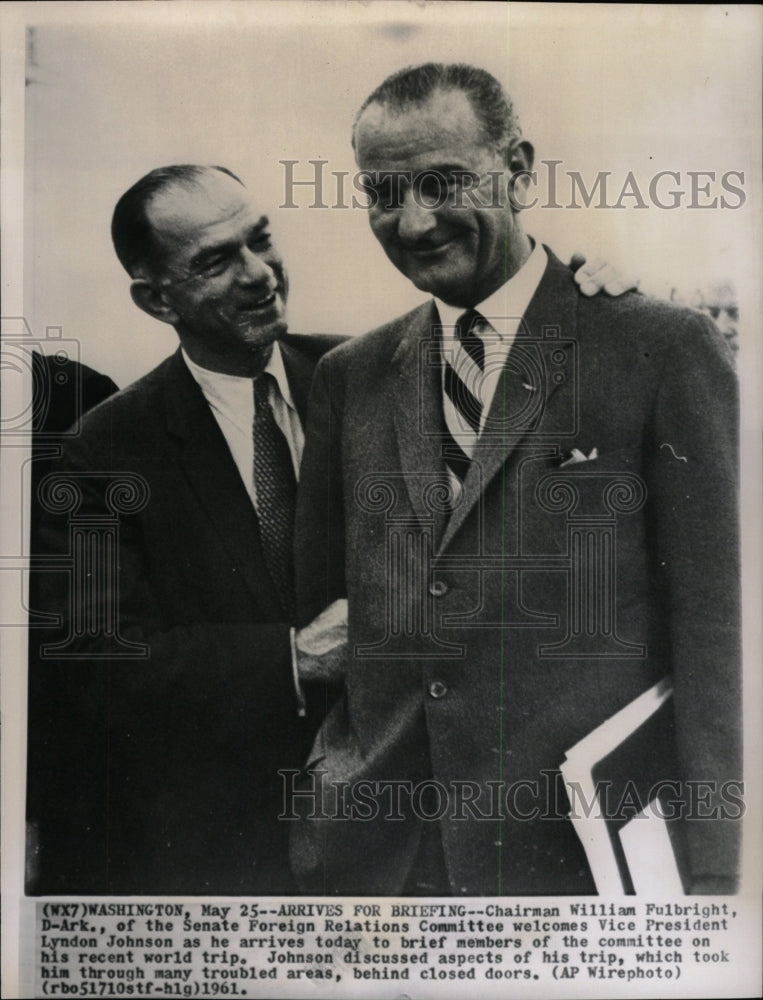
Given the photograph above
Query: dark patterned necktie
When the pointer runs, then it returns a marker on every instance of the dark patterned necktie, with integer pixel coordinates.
(276, 489)
(462, 399)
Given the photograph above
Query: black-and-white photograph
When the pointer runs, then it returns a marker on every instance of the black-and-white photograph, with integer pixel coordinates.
(381, 436)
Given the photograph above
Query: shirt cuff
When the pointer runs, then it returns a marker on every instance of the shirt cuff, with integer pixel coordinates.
(298, 690)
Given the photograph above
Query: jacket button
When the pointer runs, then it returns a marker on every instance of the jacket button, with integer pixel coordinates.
(437, 689)
(438, 588)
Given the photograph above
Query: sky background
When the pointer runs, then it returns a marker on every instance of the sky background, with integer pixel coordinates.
(620, 88)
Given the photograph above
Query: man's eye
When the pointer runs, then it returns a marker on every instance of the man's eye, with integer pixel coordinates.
(210, 270)
(213, 267)
(384, 196)
(389, 196)
(432, 188)
(462, 179)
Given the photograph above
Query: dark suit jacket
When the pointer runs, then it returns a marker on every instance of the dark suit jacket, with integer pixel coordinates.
(163, 776)
(63, 390)
(489, 657)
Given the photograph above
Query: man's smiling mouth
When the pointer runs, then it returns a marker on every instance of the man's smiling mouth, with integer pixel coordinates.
(428, 250)
(258, 304)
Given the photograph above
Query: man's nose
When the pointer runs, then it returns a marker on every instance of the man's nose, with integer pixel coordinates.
(415, 220)
(254, 270)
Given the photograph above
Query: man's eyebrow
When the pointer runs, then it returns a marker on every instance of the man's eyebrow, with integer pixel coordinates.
(377, 177)
(228, 246)
(448, 168)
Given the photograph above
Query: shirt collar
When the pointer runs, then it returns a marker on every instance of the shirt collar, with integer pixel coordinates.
(276, 368)
(509, 302)
(223, 387)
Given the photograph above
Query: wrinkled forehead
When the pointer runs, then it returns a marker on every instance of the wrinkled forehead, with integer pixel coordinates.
(185, 211)
(444, 121)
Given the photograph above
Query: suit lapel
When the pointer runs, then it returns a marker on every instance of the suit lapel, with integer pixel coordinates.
(518, 413)
(416, 389)
(206, 462)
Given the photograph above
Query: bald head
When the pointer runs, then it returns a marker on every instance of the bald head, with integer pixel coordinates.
(132, 226)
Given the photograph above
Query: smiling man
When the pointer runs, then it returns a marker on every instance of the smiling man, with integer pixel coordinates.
(177, 672)
(210, 269)
(177, 687)
(451, 229)
(529, 499)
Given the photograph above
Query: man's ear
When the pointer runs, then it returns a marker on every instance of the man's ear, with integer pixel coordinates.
(520, 156)
(152, 300)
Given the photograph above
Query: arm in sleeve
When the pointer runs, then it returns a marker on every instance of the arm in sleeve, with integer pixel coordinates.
(693, 494)
(320, 523)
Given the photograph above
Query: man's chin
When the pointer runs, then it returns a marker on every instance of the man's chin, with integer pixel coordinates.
(264, 334)
(441, 286)
(437, 277)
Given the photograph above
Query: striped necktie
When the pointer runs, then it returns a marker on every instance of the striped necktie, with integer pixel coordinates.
(462, 398)
(276, 489)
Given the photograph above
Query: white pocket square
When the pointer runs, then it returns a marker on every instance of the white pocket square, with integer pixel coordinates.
(577, 456)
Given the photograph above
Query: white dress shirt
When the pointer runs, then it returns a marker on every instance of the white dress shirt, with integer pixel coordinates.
(231, 399)
(502, 311)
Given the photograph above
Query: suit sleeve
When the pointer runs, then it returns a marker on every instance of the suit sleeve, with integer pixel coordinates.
(178, 661)
(692, 487)
(320, 525)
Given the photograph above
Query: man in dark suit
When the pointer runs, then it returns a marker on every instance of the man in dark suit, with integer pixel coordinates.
(172, 515)
(531, 508)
